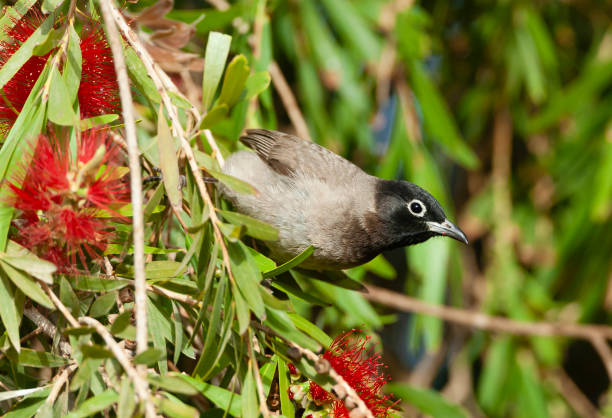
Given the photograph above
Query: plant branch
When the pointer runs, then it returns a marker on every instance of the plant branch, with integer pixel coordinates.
(288, 99)
(486, 322)
(140, 284)
(47, 328)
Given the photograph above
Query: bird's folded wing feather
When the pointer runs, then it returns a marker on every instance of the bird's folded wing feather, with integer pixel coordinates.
(289, 155)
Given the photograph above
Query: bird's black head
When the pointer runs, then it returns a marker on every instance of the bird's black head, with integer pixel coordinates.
(409, 215)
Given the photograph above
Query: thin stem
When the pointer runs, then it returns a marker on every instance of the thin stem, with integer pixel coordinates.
(140, 284)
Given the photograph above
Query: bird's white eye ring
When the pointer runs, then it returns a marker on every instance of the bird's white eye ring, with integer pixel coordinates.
(417, 208)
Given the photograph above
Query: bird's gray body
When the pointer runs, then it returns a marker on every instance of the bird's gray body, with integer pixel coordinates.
(287, 172)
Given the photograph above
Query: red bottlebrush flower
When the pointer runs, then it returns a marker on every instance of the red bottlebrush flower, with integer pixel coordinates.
(98, 91)
(60, 199)
(360, 368)
(16, 90)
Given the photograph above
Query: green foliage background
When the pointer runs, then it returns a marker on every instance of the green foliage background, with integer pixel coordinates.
(501, 109)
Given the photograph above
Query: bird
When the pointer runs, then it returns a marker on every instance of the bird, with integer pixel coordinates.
(317, 198)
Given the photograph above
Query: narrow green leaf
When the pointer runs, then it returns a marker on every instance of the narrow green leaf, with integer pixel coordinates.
(68, 297)
(12, 394)
(162, 269)
(96, 404)
(295, 261)
(60, 104)
(211, 343)
(247, 276)
(172, 407)
(13, 14)
(138, 74)
(234, 81)
(28, 357)
(223, 398)
(242, 310)
(95, 351)
(217, 49)
(311, 329)
(23, 54)
(23, 259)
(168, 161)
(94, 284)
(8, 311)
(427, 401)
(27, 285)
(287, 407)
(254, 228)
(94, 121)
(50, 5)
(233, 182)
(172, 382)
(127, 399)
(249, 397)
(282, 324)
(29, 405)
(149, 357)
(103, 304)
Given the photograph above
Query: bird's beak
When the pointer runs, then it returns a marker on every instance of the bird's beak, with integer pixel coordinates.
(447, 229)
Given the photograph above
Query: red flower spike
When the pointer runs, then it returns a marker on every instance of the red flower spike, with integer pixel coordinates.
(98, 91)
(60, 200)
(360, 368)
(15, 92)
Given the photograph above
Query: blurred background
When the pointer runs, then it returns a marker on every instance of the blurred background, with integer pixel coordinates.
(503, 110)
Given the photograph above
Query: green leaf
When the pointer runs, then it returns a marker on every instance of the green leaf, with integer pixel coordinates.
(168, 162)
(163, 269)
(256, 83)
(247, 276)
(233, 182)
(223, 398)
(94, 121)
(23, 54)
(49, 6)
(27, 285)
(96, 404)
(60, 109)
(21, 258)
(287, 407)
(138, 74)
(282, 324)
(287, 284)
(68, 297)
(211, 343)
(31, 358)
(438, 120)
(427, 401)
(254, 228)
(29, 405)
(249, 397)
(96, 352)
(214, 115)
(94, 284)
(127, 399)
(73, 65)
(234, 81)
(217, 49)
(381, 267)
(311, 329)
(295, 261)
(12, 394)
(172, 407)
(9, 314)
(12, 15)
(173, 382)
(242, 310)
(149, 357)
(102, 305)
(180, 101)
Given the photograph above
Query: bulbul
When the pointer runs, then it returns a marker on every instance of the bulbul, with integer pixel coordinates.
(315, 197)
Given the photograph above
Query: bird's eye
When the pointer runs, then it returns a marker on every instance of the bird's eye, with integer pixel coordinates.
(417, 208)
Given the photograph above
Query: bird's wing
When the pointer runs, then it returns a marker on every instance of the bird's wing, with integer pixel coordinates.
(289, 155)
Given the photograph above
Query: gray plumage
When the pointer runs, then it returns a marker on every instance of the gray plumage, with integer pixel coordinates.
(315, 197)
